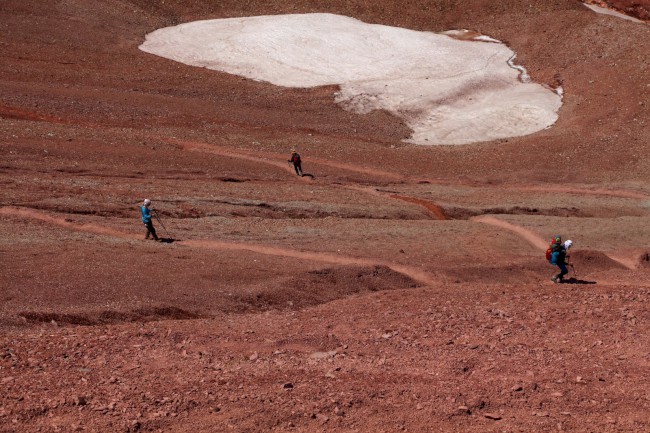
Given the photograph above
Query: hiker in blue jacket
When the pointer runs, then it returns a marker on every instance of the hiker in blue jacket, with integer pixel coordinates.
(558, 258)
(146, 219)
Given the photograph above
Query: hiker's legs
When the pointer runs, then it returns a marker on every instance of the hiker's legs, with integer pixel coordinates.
(296, 166)
(563, 271)
(151, 230)
(299, 168)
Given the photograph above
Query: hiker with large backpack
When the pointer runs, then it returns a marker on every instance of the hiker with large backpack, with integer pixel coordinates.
(146, 219)
(556, 254)
(295, 159)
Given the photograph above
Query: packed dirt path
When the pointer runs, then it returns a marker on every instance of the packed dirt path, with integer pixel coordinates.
(392, 288)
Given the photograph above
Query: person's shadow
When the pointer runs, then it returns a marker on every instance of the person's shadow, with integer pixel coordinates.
(308, 175)
(166, 240)
(573, 280)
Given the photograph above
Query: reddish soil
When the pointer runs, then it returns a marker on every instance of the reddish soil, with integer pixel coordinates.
(639, 9)
(392, 288)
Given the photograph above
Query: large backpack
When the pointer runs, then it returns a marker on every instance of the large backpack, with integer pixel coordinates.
(295, 158)
(551, 255)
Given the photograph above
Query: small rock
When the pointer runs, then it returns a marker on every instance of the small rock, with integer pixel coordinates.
(492, 416)
(419, 407)
(81, 401)
(517, 388)
(323, 355)
(253, 357)
(288, 385)
(463, 409)
(322, 418)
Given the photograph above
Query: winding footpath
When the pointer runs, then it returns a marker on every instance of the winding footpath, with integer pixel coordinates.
(207, 244)
(276, 160)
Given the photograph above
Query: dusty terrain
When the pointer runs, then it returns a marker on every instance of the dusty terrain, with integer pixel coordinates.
(394, 288)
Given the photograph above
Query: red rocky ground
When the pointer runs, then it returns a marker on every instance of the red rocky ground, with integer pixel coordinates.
(395, 288)
(639, 9)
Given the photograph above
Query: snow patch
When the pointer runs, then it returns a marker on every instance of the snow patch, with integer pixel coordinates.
(449, 88)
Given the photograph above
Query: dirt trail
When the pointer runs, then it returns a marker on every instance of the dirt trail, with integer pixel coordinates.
(273, 159)
(436, 211)
(630, 262)
(414, 273)
(277, 160)
(269, 159)
(533, 238)
(62, 222)
(433, 209)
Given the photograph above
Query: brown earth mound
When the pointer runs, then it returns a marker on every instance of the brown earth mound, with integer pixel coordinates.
(587, 262)
(324, 285)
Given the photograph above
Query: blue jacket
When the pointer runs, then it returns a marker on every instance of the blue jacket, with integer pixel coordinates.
(146, 214)
(558, 256)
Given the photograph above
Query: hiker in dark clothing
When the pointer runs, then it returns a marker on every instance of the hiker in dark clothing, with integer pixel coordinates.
(558, 258)
(295, 159)
(146, 219)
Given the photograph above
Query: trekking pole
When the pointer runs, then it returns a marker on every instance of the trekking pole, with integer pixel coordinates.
(155, 214)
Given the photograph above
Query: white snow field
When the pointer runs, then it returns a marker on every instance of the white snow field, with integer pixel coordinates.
(448, 88)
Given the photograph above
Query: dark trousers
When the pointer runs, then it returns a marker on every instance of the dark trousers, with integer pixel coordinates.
(298, 168)
(563, 271)
(150, 230)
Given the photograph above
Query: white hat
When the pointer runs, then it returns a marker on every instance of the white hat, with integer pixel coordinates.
(568, 244)
(147, 202)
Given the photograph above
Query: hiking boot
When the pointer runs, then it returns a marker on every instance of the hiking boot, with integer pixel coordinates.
(554, 279)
